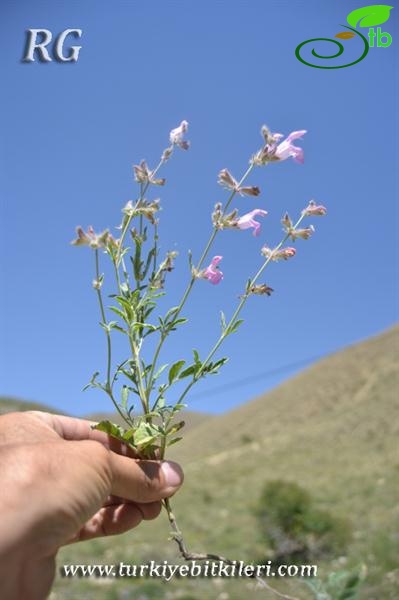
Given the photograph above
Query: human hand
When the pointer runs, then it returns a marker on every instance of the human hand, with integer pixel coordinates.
(63, 482)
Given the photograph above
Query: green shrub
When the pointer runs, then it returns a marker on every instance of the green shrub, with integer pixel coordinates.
(293, 527)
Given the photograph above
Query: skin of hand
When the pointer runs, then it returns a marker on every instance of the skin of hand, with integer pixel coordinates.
(62, 482)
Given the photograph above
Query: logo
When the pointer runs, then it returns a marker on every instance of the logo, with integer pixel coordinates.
(38, 41)
(365, 17)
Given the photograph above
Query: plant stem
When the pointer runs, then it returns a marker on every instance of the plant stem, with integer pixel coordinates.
(109, 351)
(136, 357)
(117, 261)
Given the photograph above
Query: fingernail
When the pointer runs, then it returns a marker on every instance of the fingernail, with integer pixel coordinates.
(172, 473)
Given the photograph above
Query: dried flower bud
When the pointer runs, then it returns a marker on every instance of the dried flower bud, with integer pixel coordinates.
(90, 238)
(314, 209)
(142, 174)
(159, 181)
(303, 234)
(266, 252)
(226, 180)
(112, 242)
(281, 254)
(128, 209)
(217, 216)
(167, 153)
(252, 190)
(176, 136)
(286, 222)
(261, 289)
(149, 210)
(97, 283)
(266, 133)
(144, 208)
(222, 221)
(167, 264)
(157, 282)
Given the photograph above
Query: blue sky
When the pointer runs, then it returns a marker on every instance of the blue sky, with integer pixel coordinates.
(71, 132)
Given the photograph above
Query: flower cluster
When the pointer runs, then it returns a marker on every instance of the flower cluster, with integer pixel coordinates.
(273, 150)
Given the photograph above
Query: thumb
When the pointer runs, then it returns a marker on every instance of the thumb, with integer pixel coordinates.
(144, 480)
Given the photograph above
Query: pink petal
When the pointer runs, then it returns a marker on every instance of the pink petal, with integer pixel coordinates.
(298, 155)
(294, 135)
(216, 260)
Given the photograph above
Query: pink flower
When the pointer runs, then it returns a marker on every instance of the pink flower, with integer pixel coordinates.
(212, 273)
(274, 151)
(286, 149)
(176, 136)
(314, 209)
(247, 221)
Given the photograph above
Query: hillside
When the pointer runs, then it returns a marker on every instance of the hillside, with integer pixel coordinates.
(11, 404)
(328, 401)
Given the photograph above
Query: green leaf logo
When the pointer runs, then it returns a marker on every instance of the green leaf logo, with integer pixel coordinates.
(369, 16)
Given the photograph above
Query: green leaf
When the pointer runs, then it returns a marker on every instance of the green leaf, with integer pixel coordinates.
(145, 435)
(118, 312)
(175, 428)
(92, 382)
(119, 329)
(171, 312)
(196, 357)
(174, 441)
(137, 326)
(160, 402)
(223, 320)
(233, 328)
(110, 429)
(175, 370)
(148, 263)
(179, 406)
(124, 397)
(187, 372)
(126, 305)
(213, 368)
(180, 321)
(369, 16)
(160, 371)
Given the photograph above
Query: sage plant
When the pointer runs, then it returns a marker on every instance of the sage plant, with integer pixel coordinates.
(140, 277)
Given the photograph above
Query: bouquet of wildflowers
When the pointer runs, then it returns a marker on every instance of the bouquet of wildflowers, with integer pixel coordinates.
(139, 280)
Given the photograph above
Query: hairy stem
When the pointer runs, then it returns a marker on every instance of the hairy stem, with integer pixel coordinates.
(109, 351)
